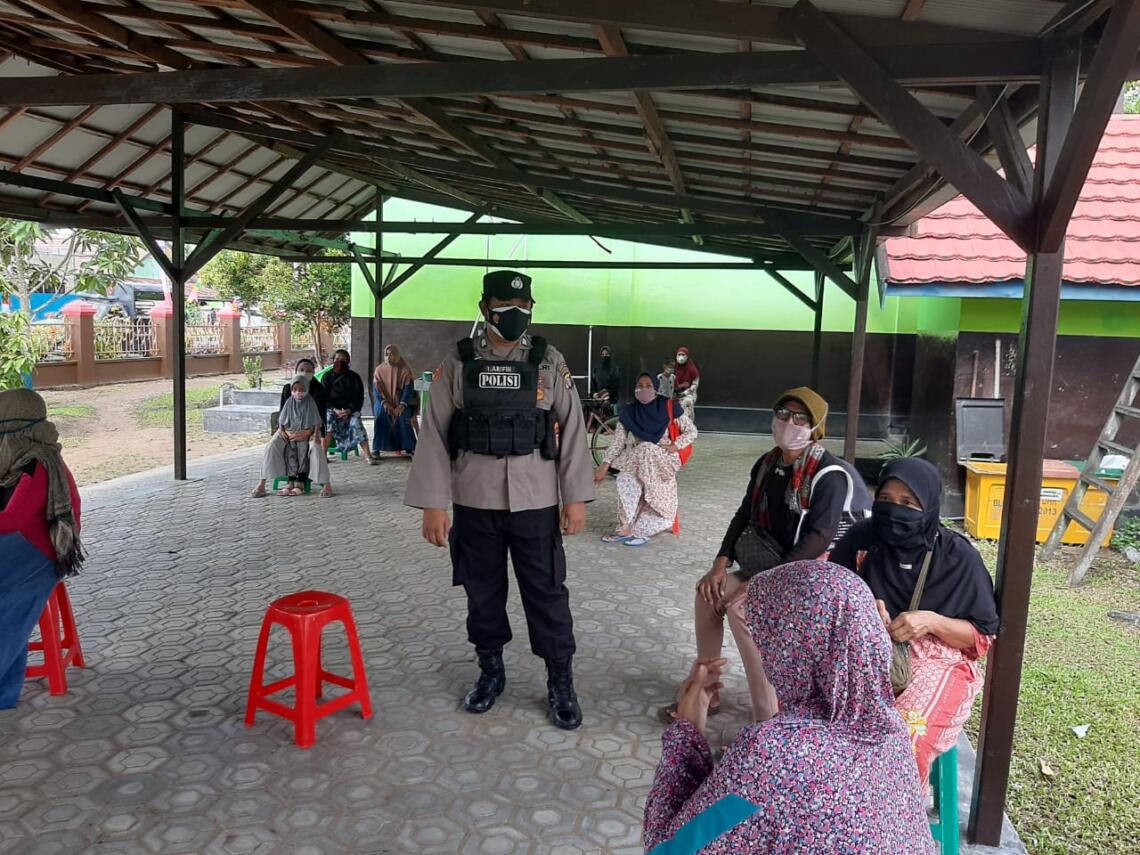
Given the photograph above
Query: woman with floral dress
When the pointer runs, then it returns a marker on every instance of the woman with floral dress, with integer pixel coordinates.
(831, 772)
(648, 460)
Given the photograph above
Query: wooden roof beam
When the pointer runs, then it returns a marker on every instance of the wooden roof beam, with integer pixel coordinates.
(758, 23)
(613, 44)
(1007, 207)
(942, 64)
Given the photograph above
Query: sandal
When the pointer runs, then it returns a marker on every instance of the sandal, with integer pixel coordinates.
(616, 538)
(258, 493)
(635, 541)
(327, 492)
(284, 491)
(668, 714)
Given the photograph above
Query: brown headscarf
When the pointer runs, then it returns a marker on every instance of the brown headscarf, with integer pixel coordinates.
(390, 379)
(26, 436)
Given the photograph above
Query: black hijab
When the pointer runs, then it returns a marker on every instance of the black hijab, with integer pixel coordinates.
(648, 422)
(957, 584)
(606, 374)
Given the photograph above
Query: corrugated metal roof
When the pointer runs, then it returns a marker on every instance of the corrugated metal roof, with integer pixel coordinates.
(957, 245)
(809, 149)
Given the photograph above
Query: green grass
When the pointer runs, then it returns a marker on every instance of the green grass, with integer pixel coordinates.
(74, 411)
(159, 410)
(1080, 668)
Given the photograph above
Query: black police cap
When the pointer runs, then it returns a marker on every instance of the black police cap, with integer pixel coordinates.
(506, 285)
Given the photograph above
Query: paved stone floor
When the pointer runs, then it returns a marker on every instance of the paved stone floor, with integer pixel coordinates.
(147, 753)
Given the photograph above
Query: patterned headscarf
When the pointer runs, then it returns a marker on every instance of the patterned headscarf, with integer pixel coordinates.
(826, 651)
(834, 771)
(26, 436)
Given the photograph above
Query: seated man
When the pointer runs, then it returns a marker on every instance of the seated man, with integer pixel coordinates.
(344, 392)
(295, 449)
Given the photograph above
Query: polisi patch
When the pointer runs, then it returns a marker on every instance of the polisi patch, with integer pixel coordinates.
(517, 284)
(499, 380)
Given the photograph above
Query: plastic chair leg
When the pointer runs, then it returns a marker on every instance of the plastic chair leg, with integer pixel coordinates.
(70, 633)
(255, 680)
(359, 680)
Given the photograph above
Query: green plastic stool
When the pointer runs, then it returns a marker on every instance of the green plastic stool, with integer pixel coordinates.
(342, 452)
(944, 778)
(306, 485)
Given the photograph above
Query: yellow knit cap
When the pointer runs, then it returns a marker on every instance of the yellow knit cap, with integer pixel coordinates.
(814, 404)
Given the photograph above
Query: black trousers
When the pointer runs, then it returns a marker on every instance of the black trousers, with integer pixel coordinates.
(480, 541)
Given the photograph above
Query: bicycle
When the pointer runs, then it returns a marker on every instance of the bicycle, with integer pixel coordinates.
(601, 423)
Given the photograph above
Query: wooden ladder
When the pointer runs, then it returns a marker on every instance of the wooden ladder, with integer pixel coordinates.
(1126, 407)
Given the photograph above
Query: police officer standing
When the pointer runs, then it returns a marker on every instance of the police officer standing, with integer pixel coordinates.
(503, 439)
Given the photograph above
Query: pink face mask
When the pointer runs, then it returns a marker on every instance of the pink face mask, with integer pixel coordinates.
(790, 436)
(645, 394)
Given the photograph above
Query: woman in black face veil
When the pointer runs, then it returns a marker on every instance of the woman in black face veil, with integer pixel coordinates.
(947, 615)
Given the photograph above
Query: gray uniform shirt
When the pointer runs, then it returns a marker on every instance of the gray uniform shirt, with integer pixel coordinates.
(520, 483)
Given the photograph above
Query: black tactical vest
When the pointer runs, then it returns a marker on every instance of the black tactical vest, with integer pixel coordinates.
(500, 413)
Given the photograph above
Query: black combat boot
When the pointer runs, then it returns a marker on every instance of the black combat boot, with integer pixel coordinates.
(492, 680)
(564, 710)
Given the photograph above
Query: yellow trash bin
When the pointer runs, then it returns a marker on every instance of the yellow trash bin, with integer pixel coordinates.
(985, 494)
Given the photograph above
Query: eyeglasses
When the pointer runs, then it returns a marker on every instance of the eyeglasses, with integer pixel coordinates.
(801, 419)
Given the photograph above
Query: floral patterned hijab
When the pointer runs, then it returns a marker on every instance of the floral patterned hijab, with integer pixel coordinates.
(834, 770)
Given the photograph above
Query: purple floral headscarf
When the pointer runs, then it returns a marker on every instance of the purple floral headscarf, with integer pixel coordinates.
(825, 649)
(834, 770)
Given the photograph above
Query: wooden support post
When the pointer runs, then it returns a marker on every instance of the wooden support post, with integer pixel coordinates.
(378, 337)
(178, 289)
(855, 379)
(817, 330)
(1028, 422)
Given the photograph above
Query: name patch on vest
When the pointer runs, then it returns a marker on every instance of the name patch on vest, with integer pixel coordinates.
(500, 377)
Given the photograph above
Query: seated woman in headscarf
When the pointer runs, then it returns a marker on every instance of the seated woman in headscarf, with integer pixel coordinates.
(791, 511)
(648, 459)
(393, 392)
(39, 528)
(831, 772)
(948, 623)
(344, 393)
(295, 450)
(686, 380)
(308, 368)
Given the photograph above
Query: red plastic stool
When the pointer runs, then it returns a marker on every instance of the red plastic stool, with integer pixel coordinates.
(59, 650)
(305, 615)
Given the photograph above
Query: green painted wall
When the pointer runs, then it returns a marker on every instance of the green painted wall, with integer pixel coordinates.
(699, 299)
(696, 299)
(1078, 317)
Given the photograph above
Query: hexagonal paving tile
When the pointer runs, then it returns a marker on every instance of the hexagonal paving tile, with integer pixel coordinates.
(148, 751)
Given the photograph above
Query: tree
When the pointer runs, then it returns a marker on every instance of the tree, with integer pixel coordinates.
(91, 261)
(235, 274)
(1132, 96)
(17, 351)
(319, 295)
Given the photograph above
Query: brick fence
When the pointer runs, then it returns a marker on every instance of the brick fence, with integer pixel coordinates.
(150, 353)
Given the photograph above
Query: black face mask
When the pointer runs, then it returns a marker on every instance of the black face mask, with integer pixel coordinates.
(510, 322)
(898, 527)
(606, 359)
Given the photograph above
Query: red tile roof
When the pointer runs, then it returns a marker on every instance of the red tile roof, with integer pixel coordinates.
(957, 245)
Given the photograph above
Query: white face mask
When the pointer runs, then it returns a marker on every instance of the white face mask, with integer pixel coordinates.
(790, 436)
(682, 359)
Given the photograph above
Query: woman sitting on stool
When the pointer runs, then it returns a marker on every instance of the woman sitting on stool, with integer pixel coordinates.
(647, 483)
(947, 618)
(39, 528)
(296, 450)
(393, 392)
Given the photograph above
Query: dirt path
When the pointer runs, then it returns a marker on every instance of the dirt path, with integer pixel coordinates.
(103, 436)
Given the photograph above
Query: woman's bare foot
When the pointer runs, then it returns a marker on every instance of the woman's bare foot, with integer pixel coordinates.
(327, 491)
(258, 491)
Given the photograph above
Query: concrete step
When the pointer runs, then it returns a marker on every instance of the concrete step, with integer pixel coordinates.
(270, 397)
(240, 418)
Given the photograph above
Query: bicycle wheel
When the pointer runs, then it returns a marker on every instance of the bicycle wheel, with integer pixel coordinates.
(601, 438)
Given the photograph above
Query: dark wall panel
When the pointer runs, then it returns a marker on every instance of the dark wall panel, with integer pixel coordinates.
(739, 369)
(1088, 375)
